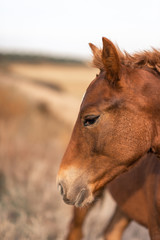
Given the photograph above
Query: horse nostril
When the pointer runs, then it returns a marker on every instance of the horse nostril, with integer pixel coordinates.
(81, 197)
(61, 189)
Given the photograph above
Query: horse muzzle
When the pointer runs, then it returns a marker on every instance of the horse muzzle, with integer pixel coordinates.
(74, 191)
(74, 199)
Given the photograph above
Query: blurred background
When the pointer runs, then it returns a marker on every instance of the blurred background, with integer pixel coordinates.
(44, 72)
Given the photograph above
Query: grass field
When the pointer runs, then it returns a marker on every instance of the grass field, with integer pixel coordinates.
(38, 107)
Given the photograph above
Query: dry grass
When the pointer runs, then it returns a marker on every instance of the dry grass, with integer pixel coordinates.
(33, 136)
(73, 79)
(32, 143)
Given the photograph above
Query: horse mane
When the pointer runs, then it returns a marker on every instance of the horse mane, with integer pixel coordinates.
(149, 59)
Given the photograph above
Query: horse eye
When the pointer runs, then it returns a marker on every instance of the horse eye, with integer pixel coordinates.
(90, 120)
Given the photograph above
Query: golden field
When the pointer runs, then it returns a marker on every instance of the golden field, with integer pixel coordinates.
(38, 107)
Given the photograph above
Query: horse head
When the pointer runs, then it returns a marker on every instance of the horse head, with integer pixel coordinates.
(117, 124)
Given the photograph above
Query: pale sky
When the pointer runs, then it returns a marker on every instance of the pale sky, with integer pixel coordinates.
(64, 27)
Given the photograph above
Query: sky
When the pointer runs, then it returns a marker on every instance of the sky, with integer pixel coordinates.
(65, 27)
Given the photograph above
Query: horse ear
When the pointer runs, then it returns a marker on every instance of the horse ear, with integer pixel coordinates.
(111, 61)
(93, 48)
(97, 57)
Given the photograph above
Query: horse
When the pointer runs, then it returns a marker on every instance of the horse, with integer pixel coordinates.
(137, 195)
(118, 123)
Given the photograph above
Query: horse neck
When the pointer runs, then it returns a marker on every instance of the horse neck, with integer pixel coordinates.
(154, 96)
(154, 109)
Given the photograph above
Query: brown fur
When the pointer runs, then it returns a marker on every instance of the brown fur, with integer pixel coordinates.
(118, 123)
(149, 59)
(134, 192)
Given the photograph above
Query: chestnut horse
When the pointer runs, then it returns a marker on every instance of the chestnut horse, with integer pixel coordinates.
(118, 123)
(137, 194)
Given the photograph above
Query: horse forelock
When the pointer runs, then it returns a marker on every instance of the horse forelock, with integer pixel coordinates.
(149, 59)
